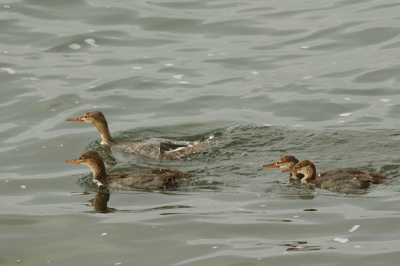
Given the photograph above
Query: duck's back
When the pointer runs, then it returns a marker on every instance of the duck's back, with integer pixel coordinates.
(149, 179)
(157, 148)
(347, 180)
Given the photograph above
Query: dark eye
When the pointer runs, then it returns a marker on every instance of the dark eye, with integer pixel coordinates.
(85, 116)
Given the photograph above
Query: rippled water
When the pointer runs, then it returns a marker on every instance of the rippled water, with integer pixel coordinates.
(315, 79)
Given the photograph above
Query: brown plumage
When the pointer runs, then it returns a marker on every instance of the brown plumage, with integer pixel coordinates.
(286, 162)
(155, 148)
(142, 179)
(338, 180)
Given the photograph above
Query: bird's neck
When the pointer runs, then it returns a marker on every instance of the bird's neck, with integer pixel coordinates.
(310, 177)
(99, 172)
(104, 132)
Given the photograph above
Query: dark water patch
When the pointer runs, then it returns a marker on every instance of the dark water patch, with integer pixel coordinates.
(177, 25)
(275, 220)
(227, 81)
(328, 33)
(240, 63)
(379, 75)
(377, 7)
(51, 11)
(342, 74)
(370, 92)
(366, 37)
(310, 210)
(113, 16)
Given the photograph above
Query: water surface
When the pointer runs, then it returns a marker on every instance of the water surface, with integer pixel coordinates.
(318, 80)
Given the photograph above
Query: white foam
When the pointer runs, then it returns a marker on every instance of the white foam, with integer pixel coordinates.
(178, 76)
(9, 70)
(74, 46)
(341, 240)
(385, 100)
(345, 114)
(91, 42)
(354, 228)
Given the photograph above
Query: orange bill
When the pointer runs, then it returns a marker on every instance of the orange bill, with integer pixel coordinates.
(73, 161)
(271, 165)
(290, 171)
(75, 119)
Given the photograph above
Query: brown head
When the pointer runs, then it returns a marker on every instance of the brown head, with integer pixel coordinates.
(97, 119)
(286, 162)
(94, 161)
(91, 117)
(307, 168)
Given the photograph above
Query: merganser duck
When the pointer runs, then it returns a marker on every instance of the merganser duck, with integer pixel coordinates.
(286, 162)
(155, 148)
(338, 180)
(153, 179)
